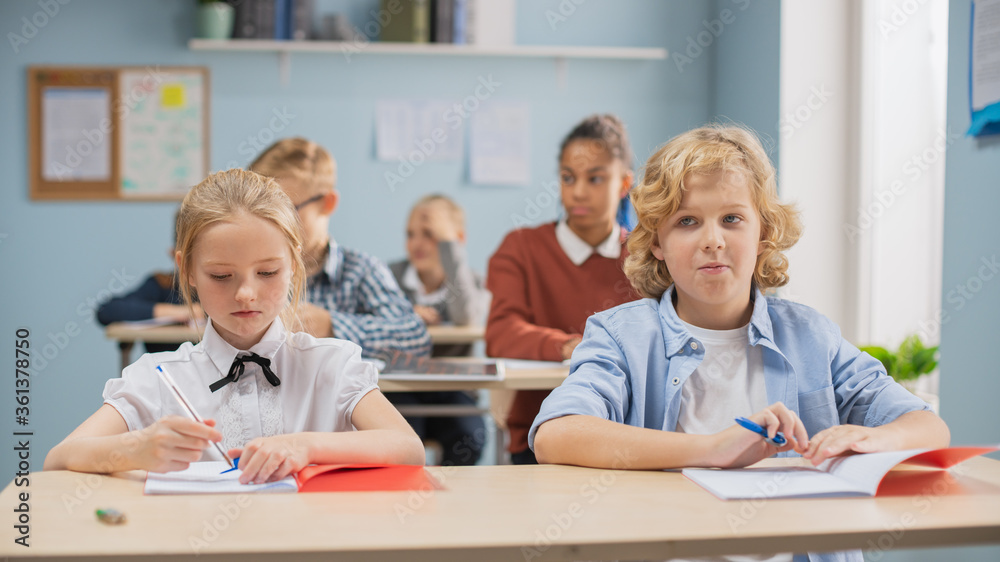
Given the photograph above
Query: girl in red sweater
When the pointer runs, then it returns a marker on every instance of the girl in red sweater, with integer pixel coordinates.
(547, 280)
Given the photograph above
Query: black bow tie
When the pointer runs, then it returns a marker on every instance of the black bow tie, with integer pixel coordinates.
(239, 365)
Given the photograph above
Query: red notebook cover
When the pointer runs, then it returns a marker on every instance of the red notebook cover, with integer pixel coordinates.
(947, 458)
(929, 482)
(364, 478)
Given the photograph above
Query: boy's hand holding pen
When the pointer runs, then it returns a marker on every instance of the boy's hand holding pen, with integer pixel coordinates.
(778, 429)
(778, 439)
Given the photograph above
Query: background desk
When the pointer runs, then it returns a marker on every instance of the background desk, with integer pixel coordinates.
(514, 379)
(492, 513)
(127, 335)
(500, 397)
(501, 393)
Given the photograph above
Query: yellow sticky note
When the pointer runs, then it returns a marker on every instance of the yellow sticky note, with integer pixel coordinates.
(172, 96)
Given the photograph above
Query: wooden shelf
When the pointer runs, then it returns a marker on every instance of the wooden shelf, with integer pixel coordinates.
(426, 49)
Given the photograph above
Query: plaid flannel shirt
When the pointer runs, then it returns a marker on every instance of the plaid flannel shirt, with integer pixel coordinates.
(366, 305)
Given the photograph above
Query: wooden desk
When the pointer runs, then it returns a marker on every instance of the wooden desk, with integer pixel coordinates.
(456, 334)
(126, 336)
(492, 513)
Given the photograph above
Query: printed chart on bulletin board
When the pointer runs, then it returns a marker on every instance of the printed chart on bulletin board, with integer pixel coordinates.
(136, 133)
(163, 138)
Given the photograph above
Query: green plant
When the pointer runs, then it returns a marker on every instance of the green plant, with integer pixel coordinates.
(908, 362)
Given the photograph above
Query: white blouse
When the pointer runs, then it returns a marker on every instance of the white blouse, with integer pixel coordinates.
(579, 251)
(321, 382)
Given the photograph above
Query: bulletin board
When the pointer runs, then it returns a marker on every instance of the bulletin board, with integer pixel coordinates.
(127, 133)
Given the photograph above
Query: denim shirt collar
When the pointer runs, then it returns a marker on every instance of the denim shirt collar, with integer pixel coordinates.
(677, 336)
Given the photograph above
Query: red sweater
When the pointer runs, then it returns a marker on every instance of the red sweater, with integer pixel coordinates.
(540, 301)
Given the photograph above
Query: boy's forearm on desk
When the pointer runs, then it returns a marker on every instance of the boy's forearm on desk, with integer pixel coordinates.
(599, 443)
(918, 430)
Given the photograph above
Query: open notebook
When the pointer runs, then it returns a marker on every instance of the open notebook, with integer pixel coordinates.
(852, 475)
(207, 478)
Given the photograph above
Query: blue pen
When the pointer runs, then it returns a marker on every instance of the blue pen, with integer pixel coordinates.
(236, 464)
(779, 438)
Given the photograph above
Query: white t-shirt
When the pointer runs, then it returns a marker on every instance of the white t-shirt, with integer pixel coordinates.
(321, 382)
(727, 384)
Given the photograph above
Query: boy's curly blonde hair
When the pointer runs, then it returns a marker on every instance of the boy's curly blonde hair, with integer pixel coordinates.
(707, 150)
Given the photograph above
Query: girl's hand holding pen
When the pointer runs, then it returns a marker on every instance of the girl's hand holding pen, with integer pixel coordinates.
(173, 442)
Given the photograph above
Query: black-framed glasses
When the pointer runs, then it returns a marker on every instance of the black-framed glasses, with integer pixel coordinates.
(312, 199)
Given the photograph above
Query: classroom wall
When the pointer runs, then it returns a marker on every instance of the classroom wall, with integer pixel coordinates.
(969, 331)
(747, 62)
(969, 326)
(61, 258)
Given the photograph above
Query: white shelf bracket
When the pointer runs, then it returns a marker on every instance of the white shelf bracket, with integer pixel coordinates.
(284, 68)
(562, 73)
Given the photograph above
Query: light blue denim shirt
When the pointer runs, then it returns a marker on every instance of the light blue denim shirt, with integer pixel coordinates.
(635, 358)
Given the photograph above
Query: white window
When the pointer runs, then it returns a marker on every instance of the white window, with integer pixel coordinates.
(863, 138)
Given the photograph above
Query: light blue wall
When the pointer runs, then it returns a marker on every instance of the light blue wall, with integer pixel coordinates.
(969, 360)
(970, 326)
(746, 57)
(60, 258)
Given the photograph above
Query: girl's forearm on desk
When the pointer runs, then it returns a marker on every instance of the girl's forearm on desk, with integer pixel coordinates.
(100, 444)
(104, 454)
(103, 443)
(383, 446)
